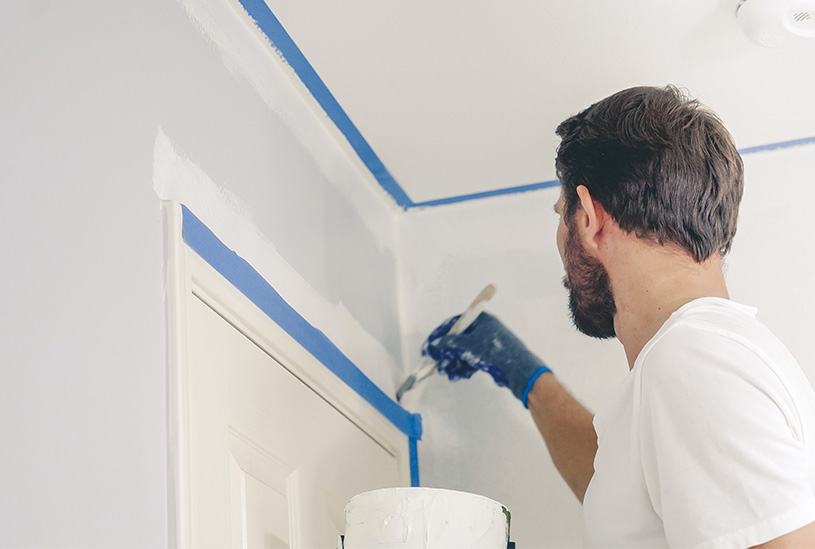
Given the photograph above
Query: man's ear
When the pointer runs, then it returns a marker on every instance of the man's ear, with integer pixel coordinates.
(591, 219)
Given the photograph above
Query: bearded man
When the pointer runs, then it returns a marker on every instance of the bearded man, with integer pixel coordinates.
(709, 441)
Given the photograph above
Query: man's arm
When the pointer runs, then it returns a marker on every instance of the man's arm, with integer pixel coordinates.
(566, 426)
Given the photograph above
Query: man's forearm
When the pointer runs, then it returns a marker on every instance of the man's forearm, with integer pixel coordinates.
(566, 426)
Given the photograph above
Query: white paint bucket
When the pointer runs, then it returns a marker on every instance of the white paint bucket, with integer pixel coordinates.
(426, 518)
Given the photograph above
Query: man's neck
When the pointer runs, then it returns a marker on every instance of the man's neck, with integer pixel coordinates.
(651, 284)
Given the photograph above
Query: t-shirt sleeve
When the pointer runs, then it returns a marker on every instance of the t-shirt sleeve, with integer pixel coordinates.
(721, 446)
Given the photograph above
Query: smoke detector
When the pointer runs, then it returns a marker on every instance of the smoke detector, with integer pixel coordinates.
(777, 23)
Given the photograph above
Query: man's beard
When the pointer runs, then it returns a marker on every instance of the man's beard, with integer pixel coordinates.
(591, 301)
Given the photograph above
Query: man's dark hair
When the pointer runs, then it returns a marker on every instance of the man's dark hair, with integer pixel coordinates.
(661, 165)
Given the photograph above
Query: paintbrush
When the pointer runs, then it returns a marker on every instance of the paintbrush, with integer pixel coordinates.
(466, 318)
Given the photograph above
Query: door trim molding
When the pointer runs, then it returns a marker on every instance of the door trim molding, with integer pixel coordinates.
(198, 262)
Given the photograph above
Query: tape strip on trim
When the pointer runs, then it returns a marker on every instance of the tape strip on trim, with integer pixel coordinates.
(414, 462)
(249, 282)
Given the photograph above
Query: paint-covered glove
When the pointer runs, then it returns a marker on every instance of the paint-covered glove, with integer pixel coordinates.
(485, 345)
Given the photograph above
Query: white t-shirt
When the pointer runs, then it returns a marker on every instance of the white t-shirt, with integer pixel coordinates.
(708, 442)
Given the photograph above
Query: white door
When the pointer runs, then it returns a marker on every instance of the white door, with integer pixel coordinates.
(273, 463)
(267, 445)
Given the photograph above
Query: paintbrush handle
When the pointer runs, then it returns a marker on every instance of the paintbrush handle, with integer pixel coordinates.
(473, 310)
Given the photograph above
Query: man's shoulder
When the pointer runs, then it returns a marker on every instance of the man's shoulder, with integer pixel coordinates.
(713, 345)
(712, 324)
(716, 315)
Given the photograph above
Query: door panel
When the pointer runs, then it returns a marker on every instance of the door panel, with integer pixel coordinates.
(272, 463)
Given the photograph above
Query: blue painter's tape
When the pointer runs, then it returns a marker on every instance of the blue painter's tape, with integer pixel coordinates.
(781, 145)
(282, 41)
(246, 279)
(271, 27)
(555, 182)
(414, 462)
(487, 194)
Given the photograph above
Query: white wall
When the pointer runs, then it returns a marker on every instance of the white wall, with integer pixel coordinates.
(478, 437)
(772, 264)
(103, 103)
(92, 92)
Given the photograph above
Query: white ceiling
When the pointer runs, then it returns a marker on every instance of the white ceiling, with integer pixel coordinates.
(458, 97)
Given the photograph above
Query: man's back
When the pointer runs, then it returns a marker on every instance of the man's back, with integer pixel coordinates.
(711, 438)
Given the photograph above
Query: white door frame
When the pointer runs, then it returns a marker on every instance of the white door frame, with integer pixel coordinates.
(187, 272)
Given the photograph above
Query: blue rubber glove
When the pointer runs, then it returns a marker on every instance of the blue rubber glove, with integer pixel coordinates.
(489, 346)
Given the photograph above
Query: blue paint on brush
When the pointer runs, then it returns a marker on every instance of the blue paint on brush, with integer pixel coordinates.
(452, 362)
